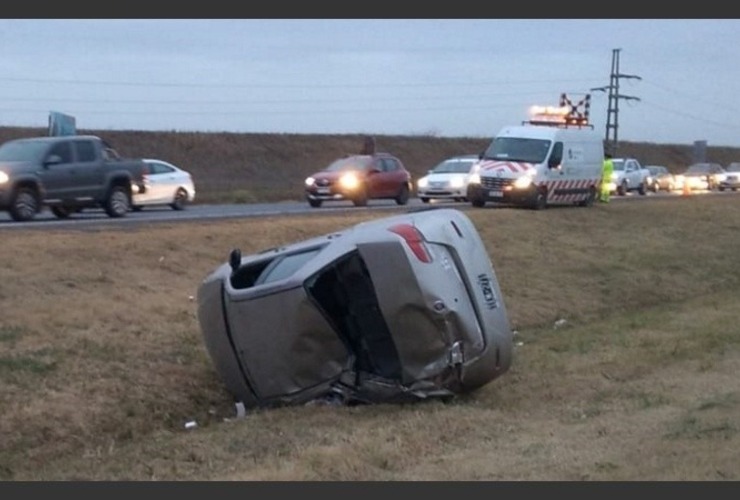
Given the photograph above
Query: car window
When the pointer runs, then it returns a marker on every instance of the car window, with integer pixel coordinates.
(63, 150)
(85, 151)
(159, 168)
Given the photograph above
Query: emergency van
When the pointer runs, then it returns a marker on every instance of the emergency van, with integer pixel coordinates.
(547, 160)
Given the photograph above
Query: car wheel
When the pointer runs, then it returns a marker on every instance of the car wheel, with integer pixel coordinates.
(622, 189)
(424, 199)
(25, 205)
(721, 188)
(360, 199)
(641, 189)
(118, 203)
(314, 203)
(181, 199)
(403, 195)
(477, 202)
(136, 208)
(61, 212)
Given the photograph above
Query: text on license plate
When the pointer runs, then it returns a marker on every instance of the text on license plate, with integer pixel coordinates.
(495, 194)
(322, 190)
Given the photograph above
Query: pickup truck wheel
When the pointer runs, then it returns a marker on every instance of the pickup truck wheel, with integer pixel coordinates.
(118, 202)
(25, 205)
(622, 189)
(61, 212)
(181, 199)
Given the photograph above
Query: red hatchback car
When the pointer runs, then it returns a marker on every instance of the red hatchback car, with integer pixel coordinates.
(360, 178)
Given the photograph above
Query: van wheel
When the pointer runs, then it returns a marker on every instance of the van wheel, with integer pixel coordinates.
(589, 201)
(540, 200)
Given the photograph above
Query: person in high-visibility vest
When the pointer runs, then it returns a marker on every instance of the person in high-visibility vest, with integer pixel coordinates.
(606, 178)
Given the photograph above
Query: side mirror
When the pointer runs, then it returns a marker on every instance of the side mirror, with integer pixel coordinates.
(53, 160)
(235, 259)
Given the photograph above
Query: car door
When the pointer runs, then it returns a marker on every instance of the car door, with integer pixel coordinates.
(57, 172)
(159, 182)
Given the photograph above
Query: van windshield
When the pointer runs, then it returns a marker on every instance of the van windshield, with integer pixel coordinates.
(518, 149)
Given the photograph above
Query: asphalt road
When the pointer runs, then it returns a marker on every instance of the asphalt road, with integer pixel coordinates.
(94, 217)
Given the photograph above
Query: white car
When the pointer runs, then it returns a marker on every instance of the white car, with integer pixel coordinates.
(165, 184)
(448, 180)
(402, 308)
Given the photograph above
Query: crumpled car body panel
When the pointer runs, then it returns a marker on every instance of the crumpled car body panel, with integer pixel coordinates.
(400, 308)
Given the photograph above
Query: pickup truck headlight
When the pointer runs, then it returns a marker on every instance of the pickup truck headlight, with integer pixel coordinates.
(3, 177)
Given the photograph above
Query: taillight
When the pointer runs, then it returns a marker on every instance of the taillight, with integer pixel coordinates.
(413, 239)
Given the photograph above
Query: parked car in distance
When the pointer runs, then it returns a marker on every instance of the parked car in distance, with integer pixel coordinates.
(448, 180)
(396, 309)
(660, 179)
(166, 184)
(732, 177)
(360, 178)
(703, 176)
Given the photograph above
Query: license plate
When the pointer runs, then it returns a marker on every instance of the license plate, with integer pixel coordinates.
(495, 194)
(323, 190)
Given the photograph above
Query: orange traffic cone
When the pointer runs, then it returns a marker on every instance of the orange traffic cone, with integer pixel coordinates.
(686, 189)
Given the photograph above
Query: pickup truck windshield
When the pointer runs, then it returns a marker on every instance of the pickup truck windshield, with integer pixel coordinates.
(518, 149)
(32, 151)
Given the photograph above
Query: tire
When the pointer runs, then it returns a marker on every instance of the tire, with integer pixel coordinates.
(721, 188)
(61, 212)
(25, 205)
(589, 201)
(641, 189)
(360, 200)
(540, 200)
(622, 189)
(314, 203)
(477, 202)
(424, 199)
(118, 202)
(136, 208)
(181, 199)
(403, 195)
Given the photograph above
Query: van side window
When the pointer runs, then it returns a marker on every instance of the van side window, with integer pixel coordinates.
(556, 157)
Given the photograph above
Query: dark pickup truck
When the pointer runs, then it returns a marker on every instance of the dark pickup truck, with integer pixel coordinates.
(66, 174)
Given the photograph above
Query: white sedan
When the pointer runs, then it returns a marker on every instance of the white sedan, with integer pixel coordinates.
(448, 180)
(165, 184)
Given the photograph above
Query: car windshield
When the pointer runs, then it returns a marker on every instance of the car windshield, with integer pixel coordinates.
(358, 162)
(453, 167)
(618, 164)
(23, 150)
(699, 168)
(518, 149)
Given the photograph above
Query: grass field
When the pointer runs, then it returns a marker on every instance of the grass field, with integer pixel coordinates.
(102, 362)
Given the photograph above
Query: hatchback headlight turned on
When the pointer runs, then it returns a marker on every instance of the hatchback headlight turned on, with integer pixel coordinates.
(396, 309)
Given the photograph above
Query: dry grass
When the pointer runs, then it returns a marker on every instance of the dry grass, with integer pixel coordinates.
(102, 362)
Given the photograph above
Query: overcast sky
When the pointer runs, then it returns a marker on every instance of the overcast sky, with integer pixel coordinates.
(452, 78)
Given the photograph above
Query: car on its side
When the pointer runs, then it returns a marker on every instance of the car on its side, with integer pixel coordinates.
(360, 178)
(703, 176)
(448, 180)
(661, 179)
(732, 177)
(397, 309)
(166, 184)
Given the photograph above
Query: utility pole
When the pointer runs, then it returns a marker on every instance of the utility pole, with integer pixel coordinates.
(612, 113)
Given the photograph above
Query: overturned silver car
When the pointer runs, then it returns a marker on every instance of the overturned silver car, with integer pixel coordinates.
(396, 309)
